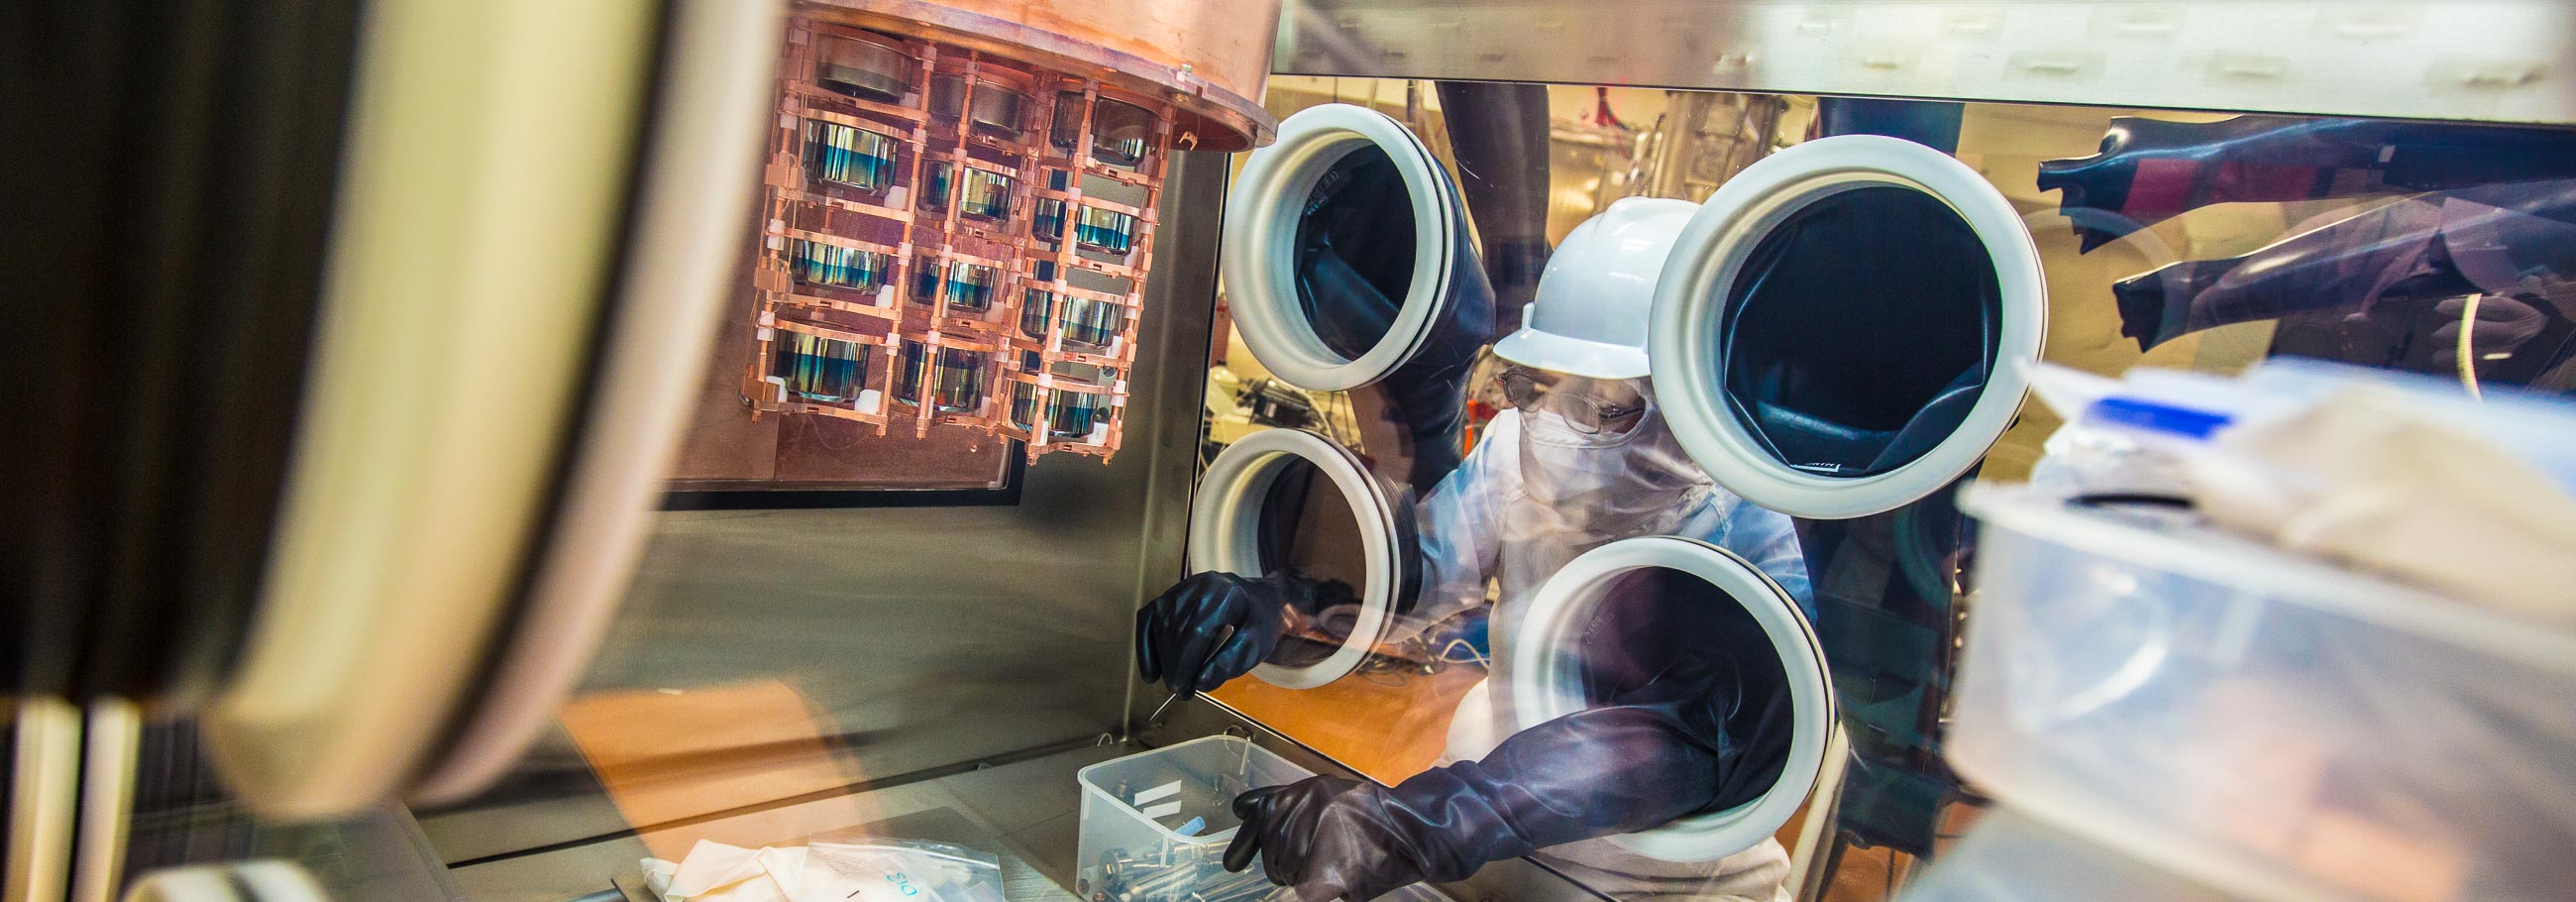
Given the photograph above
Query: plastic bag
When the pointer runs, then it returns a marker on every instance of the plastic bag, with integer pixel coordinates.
(2126, 437)
(866, 868)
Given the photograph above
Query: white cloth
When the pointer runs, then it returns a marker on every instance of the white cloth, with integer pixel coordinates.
(716, 872)
(1532, 497)
(2372, 478)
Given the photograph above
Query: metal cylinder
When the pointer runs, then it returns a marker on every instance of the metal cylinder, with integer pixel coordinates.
(862, 68)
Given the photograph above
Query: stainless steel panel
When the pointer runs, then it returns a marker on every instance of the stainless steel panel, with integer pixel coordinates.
(905, 639)
(1023, 813)
(2489, 60)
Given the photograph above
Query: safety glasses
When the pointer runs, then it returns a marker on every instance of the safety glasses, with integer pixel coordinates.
(1528, 390)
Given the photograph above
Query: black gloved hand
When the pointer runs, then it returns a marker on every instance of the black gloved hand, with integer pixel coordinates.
(1322, 836)
(1592, 773)
(1210, 628)
(1696, 719)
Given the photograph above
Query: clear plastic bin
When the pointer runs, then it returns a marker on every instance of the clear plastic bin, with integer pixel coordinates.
(1134, 809)
(2009, 857)
(2269, 723)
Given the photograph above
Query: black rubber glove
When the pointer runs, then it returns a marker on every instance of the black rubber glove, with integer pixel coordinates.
(1592, 773)
(1697, 719)
(1213, 627)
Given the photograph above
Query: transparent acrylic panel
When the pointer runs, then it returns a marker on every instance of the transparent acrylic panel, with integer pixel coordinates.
(2187, 240)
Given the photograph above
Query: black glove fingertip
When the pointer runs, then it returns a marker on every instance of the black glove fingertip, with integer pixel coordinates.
(1246, 844)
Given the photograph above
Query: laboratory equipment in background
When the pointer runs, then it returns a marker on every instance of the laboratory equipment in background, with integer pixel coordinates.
(958, 217)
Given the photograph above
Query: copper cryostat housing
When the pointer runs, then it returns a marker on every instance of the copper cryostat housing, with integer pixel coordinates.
(959, 205)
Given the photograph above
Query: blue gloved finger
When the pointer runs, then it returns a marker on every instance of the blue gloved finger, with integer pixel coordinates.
(1146, 666)
(1247, 839)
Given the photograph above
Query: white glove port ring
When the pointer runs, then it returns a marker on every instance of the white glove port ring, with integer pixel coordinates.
(1225, 535)
(1547, 682)
(1258, 257)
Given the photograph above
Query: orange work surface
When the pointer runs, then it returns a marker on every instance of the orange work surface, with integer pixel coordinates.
(1389, 724)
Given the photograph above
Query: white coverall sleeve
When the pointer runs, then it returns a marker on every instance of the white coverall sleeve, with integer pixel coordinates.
(1460, 530)
(1769, 540)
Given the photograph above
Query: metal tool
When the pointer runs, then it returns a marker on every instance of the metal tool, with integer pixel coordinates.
(1157, 716)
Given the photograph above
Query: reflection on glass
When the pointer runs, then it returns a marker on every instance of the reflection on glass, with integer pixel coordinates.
(1309, 530)
(1354, 251)
(961, 380)
(1847, 364)
(2148, 170)
(1651, 625)
(840, 267)
(1093, 323)
(849, 156)
(908, 377)
(821, 369)
(2478, 282)
(861, 68)
(1107, 231)
(1073, 414)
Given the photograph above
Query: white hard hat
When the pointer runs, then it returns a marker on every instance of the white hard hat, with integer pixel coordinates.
(1594, 298)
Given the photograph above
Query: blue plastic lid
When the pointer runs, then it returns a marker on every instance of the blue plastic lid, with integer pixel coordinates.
(2140, 413)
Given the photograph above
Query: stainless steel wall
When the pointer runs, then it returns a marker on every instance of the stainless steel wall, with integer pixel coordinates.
(905, 641)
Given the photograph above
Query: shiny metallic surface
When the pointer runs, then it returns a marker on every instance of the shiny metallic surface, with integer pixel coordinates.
(1210, 57)
(2477, 60)
(903, 640)
(862, 68)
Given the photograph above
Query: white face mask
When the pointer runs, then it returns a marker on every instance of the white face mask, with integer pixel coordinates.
(1562, 465)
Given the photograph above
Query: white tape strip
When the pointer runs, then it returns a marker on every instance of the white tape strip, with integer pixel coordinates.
(1159, 793)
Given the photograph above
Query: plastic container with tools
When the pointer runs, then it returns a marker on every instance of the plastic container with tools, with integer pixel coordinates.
(2269, 723)
(1155, 825)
